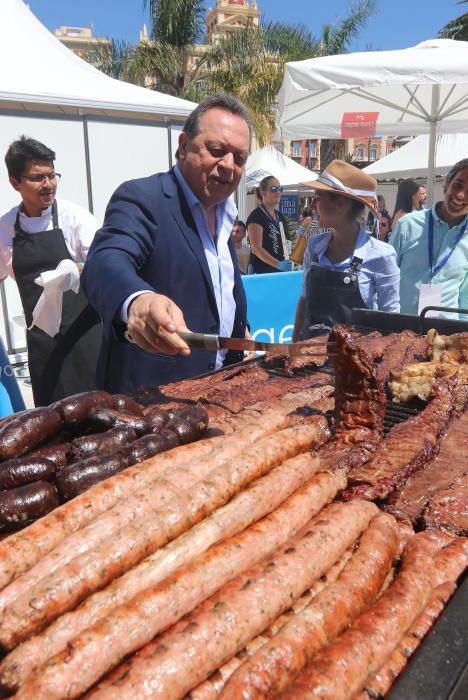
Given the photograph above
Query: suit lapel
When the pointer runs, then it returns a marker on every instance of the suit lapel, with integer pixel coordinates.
(184, 219)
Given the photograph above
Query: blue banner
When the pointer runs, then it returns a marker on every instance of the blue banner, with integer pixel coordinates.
(271, 305)
(289, 206)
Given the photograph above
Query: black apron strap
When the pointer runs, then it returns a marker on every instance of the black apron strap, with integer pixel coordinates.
(331, 296)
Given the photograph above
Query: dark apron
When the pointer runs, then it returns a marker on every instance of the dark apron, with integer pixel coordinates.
(330, 297)
(65, 364)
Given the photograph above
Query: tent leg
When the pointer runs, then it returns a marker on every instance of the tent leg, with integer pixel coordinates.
(88, 164)
(432, 144)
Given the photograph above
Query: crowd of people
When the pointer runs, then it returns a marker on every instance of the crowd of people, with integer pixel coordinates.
(171, 252)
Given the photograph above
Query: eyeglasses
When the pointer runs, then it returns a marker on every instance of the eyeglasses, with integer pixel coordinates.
(42, 178)
(276, 188)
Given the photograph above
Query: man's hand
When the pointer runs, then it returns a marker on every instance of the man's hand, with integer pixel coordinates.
(153, 322)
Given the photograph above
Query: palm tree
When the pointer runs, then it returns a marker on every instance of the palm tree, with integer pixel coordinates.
(176, 27)
(113, 57)
(250, 63)
(457, 28)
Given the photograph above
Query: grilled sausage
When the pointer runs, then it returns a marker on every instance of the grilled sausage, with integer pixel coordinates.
(158, 417)
(74, 409)
(149, 445)
(80, 476)
(126, 404)
(197, 645)
(271, 668)
(102, 443)
(25, 470)
(272, 496)
(21, 505)
(63, 588)
(105, 418)
(165, 603)
(189, 424)
(29, 430)
(58, 454)
(19, 554)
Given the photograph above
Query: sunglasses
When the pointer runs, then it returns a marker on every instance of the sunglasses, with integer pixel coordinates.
(276, 188)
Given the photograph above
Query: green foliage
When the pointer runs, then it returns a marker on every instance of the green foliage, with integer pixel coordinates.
(349, 158)
(248, 63)
(337, 38)
(177, 22)
(114, 58)
(457, 28)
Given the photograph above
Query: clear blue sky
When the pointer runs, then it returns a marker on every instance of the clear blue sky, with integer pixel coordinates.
(396, 24)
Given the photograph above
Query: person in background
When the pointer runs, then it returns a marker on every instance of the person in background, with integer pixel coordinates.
(410, 197)
(309, 224)
(421, 198)
(373, 220)
(35, 237)
(385, 227)
(344, 268)
(164, 260)
(239, 234)
(268, 230)
(432, 249)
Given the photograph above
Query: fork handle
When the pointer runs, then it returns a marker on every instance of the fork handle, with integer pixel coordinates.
(200, 340)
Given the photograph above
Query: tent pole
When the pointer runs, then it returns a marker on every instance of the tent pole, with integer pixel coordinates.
(432, 143)
(87, 162)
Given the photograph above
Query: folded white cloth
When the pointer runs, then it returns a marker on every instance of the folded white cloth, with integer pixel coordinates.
(47, 313)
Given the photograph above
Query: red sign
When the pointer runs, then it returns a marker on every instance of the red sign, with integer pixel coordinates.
(358, 124)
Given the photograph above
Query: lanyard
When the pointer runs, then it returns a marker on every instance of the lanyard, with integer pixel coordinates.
(275, 219)
(430, 242)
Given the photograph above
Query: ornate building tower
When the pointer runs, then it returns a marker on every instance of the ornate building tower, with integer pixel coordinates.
(230, 16)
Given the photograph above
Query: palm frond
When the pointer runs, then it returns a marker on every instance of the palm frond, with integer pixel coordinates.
(337, 39)
(457, 28)
(177, 22)
(113, 57)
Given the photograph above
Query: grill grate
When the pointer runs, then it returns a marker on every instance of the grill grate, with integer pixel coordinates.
(394, 413)
(397, 413)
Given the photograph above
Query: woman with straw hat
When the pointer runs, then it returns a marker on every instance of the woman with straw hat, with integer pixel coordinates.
(345, 267)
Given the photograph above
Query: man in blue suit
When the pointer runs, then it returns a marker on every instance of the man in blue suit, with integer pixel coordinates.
(164, 260)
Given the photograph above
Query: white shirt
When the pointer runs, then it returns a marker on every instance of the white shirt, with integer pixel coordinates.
(77, 224)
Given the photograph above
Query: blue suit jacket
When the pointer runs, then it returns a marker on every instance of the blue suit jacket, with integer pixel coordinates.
(149, 241)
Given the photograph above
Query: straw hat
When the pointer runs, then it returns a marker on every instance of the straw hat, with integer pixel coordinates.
(343, 178)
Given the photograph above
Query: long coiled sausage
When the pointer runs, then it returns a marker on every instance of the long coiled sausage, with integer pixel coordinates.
(24, 470)
(104, 418)
(63, 589)
(25, 503)
(76, 478)
(74, 409)
(109, 441)
(27, 431)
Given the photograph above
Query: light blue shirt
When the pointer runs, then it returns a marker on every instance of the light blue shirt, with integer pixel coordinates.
(379, 278)
(218, 256)
(410, 240)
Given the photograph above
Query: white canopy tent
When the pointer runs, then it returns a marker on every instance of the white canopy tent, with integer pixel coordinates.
(419, 90)
(410, 161)
(103, 131)
(269, 161)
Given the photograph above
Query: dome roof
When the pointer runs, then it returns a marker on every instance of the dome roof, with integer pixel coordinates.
(237, 2)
